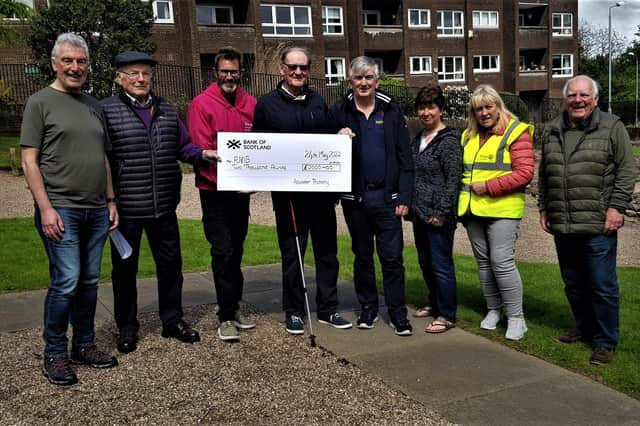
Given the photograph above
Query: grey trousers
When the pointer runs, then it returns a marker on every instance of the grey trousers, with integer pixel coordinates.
(494, 244)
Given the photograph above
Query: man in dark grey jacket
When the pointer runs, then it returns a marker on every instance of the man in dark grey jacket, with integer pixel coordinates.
(148, 139)
(586, 178)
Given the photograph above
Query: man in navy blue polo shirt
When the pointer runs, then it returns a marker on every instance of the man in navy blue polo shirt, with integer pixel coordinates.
(382, 184)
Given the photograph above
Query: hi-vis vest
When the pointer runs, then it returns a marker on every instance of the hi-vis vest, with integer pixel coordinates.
(489, 161)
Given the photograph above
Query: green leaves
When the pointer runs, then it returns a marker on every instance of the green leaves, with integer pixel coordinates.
(108, 26)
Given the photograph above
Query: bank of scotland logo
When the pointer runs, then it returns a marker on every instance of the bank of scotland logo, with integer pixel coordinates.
(233, 144)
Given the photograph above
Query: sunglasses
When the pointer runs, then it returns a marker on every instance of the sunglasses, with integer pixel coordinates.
(293, 67)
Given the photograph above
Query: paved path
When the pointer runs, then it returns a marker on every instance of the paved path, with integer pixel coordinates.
(466, 378)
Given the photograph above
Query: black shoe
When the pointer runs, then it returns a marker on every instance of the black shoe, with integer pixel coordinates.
(402, 327)
(366, 319)
(181, 331)
(59, 371)
(93, 356)
(127, 341)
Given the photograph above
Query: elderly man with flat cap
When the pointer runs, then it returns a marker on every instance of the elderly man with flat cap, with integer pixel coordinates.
(148, 139)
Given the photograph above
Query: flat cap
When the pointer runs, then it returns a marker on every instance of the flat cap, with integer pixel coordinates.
(132, 57)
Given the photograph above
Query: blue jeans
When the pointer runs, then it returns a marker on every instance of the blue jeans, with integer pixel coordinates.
(74, 270)
(435, 255)
(588, 268)
(366, 220)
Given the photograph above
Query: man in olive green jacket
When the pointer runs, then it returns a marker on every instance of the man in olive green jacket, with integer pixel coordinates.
(586, 179)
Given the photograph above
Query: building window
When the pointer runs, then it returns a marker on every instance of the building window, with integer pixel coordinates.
(208, 14)
(332, 20)
(562, 65)
(485, 19)
(486, 63)
(450, 23)
(379, 65)
(562, 24)
(451, 68)
(163, 11)
(419, 18)
(420, 64)
(334, 71)
(292, 21)
(28, 3)
(371, 17)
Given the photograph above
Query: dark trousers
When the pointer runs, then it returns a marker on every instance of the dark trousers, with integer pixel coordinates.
(316, 215)
(225, 217)
(369, 219)
(164, 240)
(435, 255)
(588, 268)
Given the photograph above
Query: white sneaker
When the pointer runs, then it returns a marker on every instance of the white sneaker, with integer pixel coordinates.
(516, 328)
(490, 322)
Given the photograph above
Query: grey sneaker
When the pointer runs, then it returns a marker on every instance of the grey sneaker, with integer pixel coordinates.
(91, 355)
(335, 320)
(243, 322)
(59, 371)
(228, 331)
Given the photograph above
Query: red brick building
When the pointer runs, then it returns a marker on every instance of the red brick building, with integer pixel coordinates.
(524, 47)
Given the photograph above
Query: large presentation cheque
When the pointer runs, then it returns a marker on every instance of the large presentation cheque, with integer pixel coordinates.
(284, 162)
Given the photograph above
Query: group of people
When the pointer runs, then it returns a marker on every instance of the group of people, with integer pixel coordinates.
(95, 166)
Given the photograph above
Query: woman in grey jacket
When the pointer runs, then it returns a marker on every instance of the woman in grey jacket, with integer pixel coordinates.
(437, 157)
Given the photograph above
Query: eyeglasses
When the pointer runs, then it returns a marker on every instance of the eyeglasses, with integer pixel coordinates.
(134, 75)
(293, 67)
(232, 73)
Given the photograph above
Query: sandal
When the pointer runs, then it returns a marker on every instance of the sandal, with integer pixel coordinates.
(439, 325)
(423, 312)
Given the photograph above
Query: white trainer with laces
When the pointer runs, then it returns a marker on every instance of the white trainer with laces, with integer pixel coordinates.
(490, 322)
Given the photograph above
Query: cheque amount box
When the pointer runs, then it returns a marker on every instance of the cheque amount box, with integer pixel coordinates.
(315, 167)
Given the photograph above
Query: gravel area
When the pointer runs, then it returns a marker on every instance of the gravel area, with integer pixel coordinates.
(266, 378)
(533, 245)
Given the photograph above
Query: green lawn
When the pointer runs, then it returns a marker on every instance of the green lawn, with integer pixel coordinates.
(24, 267)
(7, 142)
(636, 150)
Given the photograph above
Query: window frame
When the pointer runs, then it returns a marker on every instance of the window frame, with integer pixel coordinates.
(561, 68)
(170, 19)
(486, 70)
(422, 70)
(213, 7)
(560, 31)
(293, 25)
(419, 25)
(440, 28)
(326, 24)
(366, 12)
(481, 26)
(442, 71)
(327, 70)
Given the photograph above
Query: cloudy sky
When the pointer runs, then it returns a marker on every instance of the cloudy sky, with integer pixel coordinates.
(624, 19)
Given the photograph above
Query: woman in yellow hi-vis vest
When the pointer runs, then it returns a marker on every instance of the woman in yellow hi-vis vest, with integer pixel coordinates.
(498, 165)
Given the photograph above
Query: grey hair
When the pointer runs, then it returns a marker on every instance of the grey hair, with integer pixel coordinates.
(362, 63)
(594, 85)
(70, 39)
(290, 49)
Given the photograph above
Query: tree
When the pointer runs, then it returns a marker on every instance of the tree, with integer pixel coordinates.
(108, 26)
(10, 10)
(593, 55)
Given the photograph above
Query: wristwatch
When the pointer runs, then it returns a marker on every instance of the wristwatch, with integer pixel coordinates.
(112, 200)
